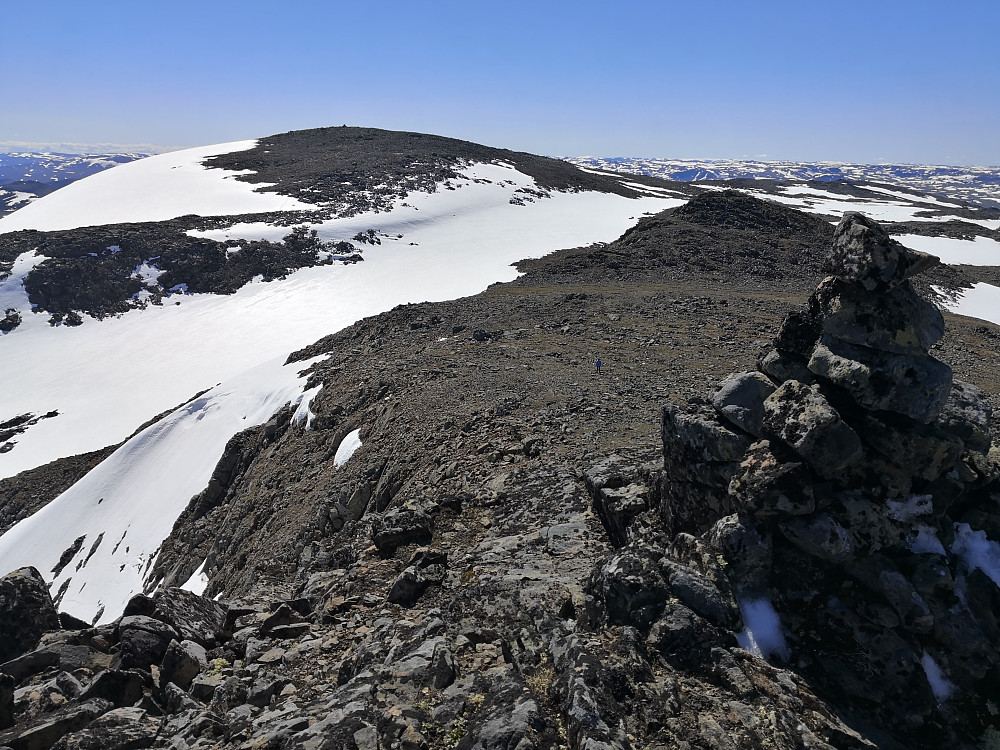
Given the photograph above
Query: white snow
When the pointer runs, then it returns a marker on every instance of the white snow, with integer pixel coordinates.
(304, 413)
(926, 541)
(12, 293)
(981, 251)
(975, 550)
(126, 370)
(762, 634)
(347, 447)
(981, 301)
(153, 189)
(135, 495)
(198, 581)
(941, 687)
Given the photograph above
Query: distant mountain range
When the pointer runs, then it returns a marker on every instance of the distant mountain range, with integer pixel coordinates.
(979, 185)
(25, 176)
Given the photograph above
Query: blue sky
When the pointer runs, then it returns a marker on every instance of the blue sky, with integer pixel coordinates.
(807, 80)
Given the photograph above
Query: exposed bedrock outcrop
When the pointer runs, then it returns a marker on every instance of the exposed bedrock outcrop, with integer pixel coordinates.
(851, 485)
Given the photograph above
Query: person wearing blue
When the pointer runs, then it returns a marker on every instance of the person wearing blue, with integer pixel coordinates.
(598, 364)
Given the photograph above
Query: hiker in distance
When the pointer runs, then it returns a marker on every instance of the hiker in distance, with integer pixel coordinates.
(598, 364)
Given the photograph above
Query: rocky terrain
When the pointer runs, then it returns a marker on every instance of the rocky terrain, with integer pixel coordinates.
(526, 553)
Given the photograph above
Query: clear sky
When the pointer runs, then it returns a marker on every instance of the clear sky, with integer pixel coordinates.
(880, 80)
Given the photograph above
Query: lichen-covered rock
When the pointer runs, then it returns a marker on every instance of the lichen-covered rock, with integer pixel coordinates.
(700, 436)
(923, 449)
(781, 366)
(26, 612)
(769, 485)
(967, 414)
(804, 420)
(898, 320)
(142, 642)
(182, 662)
(118, 729)
(864, 253)
(820, 536)
(746, 549)
(915, 386)
(739, 399)
(196, 618)
(401, 526)
(631, 584)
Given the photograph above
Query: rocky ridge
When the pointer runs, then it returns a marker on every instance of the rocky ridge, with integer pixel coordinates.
(483, 581)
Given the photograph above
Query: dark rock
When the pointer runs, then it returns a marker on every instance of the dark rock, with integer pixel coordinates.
(820, 536)
(142, 642)
(45, 734)
(967, 414)
(26, 612)
(864, 254)
(915, 386)
(122, 688)
(924, 450)
(196, 618)
(699, 435)
(427, 567)
(698, 593)
(118, 729)
(30, 663)
(897, 321)
(804, 420)
(631, 584)
(769, 484)
(746, 549)
(684, 638)
(176, 701)
(283, 615)
(69, 622)
(618, 498)
(401, 526)
(182, 662)
(140, 604)
(781, 366)
(740, 400)
(798, 333)
(6, 701)
(692, 507)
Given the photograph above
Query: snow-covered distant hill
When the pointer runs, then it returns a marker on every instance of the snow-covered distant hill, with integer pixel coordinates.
(978, 185)
(26, 176)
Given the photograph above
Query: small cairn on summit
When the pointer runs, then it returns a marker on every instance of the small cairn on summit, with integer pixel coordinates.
(851, 484)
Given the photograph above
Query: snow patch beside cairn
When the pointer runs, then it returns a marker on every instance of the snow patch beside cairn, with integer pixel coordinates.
(854, 479)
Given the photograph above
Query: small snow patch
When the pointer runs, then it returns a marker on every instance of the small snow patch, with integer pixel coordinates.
(350, 443)
(940, 685)
(198, 581)
(926, 541)
(302, 411)
(762, 635)
(976, 551)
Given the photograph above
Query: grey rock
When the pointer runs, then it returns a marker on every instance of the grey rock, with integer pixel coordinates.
(142, 642)
(820, 536)
(769, 485)
(196, 618)
(118, 729)
(692, 507)
(631, 584)
(897, 321)
(700, 595)
(740, 400)
(231, 693)
(401, 526)
(30, 663)
(699, 435)
(915, 386)
(746, 549)
(26, 612)
(6, 701)
(864, 254)
(204, 685)
(781, 366)
(967, 414)
(122, 688)
(804, 420)
(45, 734)
(182, 662)
(923, 450)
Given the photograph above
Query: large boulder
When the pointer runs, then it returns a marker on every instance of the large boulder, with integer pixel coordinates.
(912, 385)
(864, 253)
(142, 642)
(26, 612)
(801, 417)
(740, 399)
(196, 618)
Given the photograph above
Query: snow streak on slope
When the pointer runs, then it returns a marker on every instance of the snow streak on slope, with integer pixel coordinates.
(106, 378)
(127, 505)
(153, 189)
(982, 301)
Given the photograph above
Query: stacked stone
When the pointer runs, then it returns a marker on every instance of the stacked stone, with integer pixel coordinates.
(856, 467)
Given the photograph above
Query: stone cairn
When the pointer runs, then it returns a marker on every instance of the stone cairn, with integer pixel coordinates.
(857, 491)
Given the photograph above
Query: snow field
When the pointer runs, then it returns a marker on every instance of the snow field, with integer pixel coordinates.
(152, 189)
(107, 377)
(126, 506)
